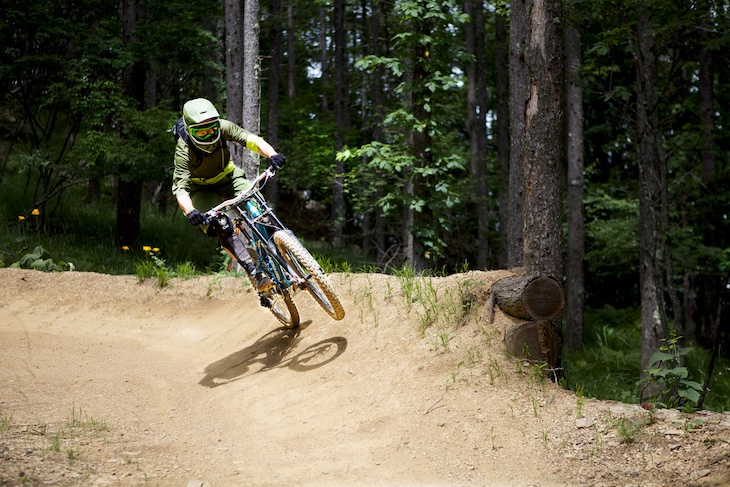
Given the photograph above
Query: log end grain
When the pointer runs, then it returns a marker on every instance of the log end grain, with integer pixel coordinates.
(533, 340)
(543, 298)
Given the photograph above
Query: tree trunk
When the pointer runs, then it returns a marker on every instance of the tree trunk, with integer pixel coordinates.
(291, 52)
(503, 139)
(419, 145)
(517, 96)
(93, 190)
(476, 126)
(576, 214)
(272, 129)
(365, 31)
(543, 139)
(251, 105)
(408, 220)
(341, 121)
(707, 102)
(129, 198)
(129, 189)
(651, 180)
(234, 70)
(323, 58)
(376, 88)
(543, 156)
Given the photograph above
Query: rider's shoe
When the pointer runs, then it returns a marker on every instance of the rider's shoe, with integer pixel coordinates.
(261, 282)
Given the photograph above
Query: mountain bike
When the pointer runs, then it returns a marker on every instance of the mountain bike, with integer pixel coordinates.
(278, 253)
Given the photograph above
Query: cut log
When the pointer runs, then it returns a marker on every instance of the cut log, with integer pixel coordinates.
(532, 340)
(529, 297)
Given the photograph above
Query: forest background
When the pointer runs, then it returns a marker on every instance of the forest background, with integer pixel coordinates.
(586, 140)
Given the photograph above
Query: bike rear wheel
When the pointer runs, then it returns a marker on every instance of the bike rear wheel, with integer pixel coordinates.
(282, 306)
(306, 267)
(277, 300)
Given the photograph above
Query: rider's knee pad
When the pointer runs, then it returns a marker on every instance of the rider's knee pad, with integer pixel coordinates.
(222, 226)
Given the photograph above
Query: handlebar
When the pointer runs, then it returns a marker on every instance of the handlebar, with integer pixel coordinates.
(264, 176)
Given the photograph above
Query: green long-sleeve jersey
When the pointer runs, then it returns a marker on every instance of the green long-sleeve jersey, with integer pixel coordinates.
(192, 164)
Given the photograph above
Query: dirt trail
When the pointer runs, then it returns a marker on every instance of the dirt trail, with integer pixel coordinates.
(106, 381)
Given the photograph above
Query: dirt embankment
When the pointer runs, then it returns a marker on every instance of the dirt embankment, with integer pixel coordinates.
(106, 381)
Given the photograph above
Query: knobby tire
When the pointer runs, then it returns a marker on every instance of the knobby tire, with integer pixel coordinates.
(282, 306)
(278, 301)
(302, 262)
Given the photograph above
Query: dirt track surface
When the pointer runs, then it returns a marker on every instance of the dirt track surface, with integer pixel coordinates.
(107, 381)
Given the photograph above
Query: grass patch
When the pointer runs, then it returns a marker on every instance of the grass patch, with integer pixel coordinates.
(38, 453)
(627, 429)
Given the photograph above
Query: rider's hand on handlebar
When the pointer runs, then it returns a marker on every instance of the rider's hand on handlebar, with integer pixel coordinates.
(196, 218)
(277, 161)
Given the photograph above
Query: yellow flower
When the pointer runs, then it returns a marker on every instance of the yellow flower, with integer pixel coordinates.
(21, 218)
(156, 250)
(146, 248)
(125, 247)
(35, 212)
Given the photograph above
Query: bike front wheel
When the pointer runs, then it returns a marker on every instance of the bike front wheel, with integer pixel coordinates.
(306, 267)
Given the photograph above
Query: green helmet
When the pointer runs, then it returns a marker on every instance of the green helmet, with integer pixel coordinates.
(202, 122)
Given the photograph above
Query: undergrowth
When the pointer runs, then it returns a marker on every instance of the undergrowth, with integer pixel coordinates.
(608, 365)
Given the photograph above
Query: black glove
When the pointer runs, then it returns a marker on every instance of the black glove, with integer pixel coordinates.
(277, 161)
(196, 218)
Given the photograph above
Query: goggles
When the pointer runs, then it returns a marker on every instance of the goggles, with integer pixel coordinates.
(205, 132)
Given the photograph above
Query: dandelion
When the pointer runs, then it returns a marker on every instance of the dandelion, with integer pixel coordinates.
(156, 250)
(35, 212)
(21, 218)
(125, 248)
(146, 248)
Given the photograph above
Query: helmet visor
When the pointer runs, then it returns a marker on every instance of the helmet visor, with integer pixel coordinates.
(206, 132)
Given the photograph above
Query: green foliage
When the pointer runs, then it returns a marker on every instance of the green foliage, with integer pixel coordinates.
(186, 270)
(628, 429)
(73, 120)
(153, 267)
(609, 362)
(609, 365)
(82, 232)
(309, 160)
(384, 171)
(442, 188)
(670, 377)
(40, 260)
(612, 231)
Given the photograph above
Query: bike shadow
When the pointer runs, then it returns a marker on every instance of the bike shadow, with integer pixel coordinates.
(270, 351)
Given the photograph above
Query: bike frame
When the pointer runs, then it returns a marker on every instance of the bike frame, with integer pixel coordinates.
(278, 253)
(250, 207)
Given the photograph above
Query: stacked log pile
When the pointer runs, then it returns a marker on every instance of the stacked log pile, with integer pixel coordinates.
(535, 303)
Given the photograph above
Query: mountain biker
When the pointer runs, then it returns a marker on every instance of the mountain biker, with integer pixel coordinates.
(204, 175)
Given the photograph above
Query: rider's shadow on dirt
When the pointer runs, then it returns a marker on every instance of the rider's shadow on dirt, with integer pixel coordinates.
(271, 351)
